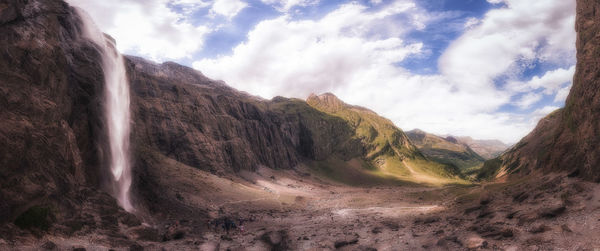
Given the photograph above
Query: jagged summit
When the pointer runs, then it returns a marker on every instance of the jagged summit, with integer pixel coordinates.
(331, 103)
(416, 131)
(326, 101)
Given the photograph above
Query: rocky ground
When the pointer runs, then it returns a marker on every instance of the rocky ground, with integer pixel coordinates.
(293, 210)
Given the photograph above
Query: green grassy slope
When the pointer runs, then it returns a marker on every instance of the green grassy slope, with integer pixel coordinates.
(386, 149)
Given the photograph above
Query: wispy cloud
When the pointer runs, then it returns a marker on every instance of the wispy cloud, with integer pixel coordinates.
(286, 5)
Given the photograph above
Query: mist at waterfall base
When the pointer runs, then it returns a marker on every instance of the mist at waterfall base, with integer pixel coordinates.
(116, 111)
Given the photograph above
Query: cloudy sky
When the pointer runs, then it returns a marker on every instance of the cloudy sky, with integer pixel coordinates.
(483, 68)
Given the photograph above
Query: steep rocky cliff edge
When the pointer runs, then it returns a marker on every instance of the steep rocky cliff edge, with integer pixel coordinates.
(568, 139)
(50, 86)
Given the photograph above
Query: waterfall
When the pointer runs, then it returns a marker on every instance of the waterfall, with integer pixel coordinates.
(117, 111)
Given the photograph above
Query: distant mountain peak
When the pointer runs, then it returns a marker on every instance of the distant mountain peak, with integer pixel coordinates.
(452, 139)
(326, 101)
(416, 131)
(445, 149)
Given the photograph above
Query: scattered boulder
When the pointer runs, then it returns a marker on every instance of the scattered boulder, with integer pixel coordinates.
(136, 247)
(472, 209)
(173, 235)
(376, 230)
(367, 249)
(147, 234)
(48, 245)
(394, 226)
(277, 240)
(441, 242)
(36, 217)
(474, 242)
(553, 212)
(573, 174)
(343, 243)
(566, 228)
(486, 212)
(520, 197)
(507, 233)
(511, 215)
(539, 229)
(526, 218)
(129, 220)
(427, 220)
(490, 231)
(485, 199)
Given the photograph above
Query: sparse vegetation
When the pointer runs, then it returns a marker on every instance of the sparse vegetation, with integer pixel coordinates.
(387, 147)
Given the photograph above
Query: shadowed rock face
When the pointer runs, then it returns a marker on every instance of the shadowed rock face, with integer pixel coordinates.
(51, 83)
(569, 139)
(205, 124)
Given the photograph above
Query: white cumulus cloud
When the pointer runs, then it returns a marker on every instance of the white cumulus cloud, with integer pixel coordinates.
(561, 95)
(147, 28)
(507, 39)
(228, 8)
(550, 82)
(295, 58)
(529, 99)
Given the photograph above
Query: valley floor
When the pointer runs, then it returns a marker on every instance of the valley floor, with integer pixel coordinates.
(291, 210)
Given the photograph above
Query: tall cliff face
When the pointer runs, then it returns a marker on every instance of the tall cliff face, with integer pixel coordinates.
(205, 124)
(50, 92)
(569, 139)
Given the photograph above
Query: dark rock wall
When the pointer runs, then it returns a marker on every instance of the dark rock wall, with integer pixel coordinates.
(201, 122)
(50, 117)
(205, 124)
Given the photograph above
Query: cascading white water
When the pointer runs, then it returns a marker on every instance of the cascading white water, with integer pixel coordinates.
(117, 112)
